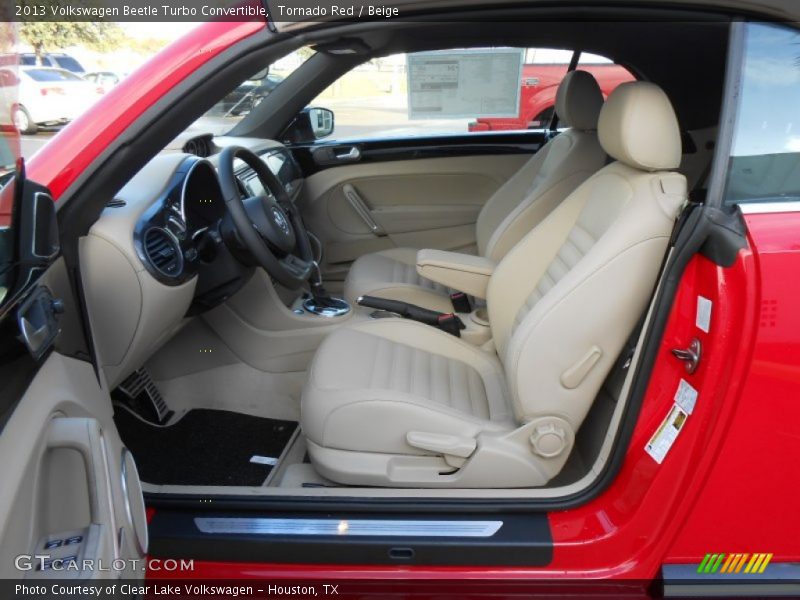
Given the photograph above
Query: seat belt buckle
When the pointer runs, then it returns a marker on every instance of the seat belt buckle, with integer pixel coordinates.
(451, 324)
(460, 302)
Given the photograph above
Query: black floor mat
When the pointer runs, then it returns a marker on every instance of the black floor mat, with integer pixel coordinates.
(206, 447)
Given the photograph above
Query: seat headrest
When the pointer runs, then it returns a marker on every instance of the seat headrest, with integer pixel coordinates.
(579, 100)
(638, 127)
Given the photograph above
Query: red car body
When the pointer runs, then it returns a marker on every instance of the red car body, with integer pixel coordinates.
(538, 94)
(719, 492)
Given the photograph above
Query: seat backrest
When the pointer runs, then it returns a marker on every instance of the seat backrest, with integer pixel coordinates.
(563, 302)
(551, 174)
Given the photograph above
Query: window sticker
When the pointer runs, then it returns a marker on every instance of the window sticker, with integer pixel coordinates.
(465, 83)
(703, 320)
(666, 434)
(686, 396)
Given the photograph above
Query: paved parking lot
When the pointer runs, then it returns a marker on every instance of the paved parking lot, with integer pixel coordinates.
(31, 143)
(353, 120)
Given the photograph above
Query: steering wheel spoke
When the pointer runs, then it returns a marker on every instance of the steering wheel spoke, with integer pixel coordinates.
(268, 223)
(301, 268)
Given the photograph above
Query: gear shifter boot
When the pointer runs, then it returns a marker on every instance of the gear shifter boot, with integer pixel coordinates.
(321, 303)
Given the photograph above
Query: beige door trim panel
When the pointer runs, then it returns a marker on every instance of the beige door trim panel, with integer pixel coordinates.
(423, 203)
(62, 494)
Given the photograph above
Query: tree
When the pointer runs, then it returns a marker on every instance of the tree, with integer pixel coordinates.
(54, 35)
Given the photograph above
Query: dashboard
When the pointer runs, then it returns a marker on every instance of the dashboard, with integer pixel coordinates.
(158, 253)
(177, 235)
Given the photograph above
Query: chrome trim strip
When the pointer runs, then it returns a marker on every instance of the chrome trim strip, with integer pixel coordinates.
(356, 527)
(186, 183)
(141, 544)
(758, 208)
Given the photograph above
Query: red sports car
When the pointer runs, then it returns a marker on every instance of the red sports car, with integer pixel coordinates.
(342, 349)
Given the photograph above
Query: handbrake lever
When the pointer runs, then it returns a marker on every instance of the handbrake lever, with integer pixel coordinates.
(448, 322)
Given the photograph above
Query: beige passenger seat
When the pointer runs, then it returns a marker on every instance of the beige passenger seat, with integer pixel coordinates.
(518, 206)
(392, 402)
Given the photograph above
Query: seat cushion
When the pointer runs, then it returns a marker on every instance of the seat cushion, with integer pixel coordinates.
(393, 274)
(372, 383)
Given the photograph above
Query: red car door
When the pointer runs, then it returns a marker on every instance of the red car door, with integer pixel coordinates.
(742, 502)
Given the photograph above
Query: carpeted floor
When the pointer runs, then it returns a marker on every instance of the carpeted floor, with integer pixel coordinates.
(206, 447)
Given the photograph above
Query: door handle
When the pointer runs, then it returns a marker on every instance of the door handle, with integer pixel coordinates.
(690, 356)
(358, 204)
(85, 436)
(38, 321)
(351, 155)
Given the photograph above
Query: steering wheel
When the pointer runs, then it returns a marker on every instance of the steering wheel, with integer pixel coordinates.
(269, 226)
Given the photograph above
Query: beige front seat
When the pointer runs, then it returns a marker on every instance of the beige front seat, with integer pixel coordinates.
(517, 207)
(396, 403)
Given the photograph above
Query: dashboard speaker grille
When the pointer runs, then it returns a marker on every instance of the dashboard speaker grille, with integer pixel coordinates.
(163, 252)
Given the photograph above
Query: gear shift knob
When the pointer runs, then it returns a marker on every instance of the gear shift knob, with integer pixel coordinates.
(321, 302)
(316, 273)
(315, 281)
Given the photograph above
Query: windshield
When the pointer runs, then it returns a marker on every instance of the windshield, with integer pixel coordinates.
(236, 105)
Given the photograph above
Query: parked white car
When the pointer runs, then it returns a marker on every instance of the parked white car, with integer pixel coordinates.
(104, 79)
(47, 96)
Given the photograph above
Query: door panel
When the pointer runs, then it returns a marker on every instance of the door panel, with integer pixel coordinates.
(63, 494)
(70, 500)
(424, 203)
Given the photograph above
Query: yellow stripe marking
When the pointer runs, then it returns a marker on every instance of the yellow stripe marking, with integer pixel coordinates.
(758, 563)
(749, 566)
(767, 558)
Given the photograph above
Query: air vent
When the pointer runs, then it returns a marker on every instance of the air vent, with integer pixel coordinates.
(163, 252)
(199, 146)
(116, 203)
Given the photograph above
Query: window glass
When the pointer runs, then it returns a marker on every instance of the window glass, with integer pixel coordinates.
(226, 113)
(456, 92)
(9, 151)
(765, 161)
(68, 63)
(51, 75)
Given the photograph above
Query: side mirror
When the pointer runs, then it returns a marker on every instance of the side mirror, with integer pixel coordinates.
(322, 122)
(309, 125)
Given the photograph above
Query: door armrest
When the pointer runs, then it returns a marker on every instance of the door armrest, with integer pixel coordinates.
(462, 272)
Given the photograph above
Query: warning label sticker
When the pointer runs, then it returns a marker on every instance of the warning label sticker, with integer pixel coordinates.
(666, 434)
(703, 320)
(686, 396)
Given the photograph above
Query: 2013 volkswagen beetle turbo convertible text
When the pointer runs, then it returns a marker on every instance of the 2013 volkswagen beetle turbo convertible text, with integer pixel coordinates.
(305, 346)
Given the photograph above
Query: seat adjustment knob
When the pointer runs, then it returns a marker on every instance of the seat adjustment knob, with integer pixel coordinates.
(548, 440)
